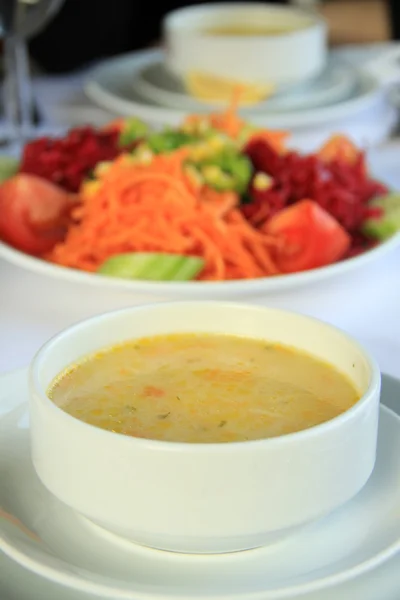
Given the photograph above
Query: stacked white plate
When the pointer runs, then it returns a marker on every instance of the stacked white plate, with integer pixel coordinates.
(48, 551)
(343, 98)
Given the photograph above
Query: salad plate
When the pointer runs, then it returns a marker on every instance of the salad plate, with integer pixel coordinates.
(50, 540)
(197, 290)
(383, 166)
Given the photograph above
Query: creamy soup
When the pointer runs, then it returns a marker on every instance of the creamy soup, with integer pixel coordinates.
(252, 29)
(202, 388)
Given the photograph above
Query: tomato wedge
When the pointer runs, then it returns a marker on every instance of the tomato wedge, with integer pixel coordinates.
(310, 236)
(34, 214)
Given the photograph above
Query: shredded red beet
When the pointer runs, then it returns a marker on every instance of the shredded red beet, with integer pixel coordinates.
(68, 161)
(360, 244)
(341, 188)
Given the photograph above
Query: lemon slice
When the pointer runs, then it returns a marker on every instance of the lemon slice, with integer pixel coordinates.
(207, 87)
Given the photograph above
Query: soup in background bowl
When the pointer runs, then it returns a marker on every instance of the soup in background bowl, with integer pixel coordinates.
(192, 496)
(253, 29)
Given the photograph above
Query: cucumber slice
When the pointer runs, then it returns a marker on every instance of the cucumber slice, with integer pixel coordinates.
(8, 167)
(152, 266)
(387, 224)
(187, 269)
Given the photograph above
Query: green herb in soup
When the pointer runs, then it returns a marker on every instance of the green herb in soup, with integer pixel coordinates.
(202, 388)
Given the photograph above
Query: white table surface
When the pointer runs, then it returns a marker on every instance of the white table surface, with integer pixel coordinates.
(365, 303)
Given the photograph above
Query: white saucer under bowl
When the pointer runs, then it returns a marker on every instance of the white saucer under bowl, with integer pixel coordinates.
(44, 536)
(336, 83)
(111, 85)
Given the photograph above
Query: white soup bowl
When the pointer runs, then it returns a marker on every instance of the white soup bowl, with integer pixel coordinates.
(282, 59)
(204, 498)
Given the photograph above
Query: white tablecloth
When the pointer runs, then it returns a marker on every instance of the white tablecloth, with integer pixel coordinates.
(365, 303)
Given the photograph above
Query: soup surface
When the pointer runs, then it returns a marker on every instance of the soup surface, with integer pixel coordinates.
(202, 388)
(253, 29)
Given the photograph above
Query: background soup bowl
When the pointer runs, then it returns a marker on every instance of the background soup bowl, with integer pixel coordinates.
(281, 60)
(204, 498)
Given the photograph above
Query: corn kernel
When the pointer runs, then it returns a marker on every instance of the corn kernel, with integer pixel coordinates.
(145, 156)
(200, 152)
(262, 182)
(212, 172)
(90, 187)
(216, 143)
(102, 168)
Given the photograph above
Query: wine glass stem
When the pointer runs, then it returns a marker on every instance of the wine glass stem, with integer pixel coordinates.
(18, 98)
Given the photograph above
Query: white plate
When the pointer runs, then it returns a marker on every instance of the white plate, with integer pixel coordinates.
(384, 166)
(200, 289)
(338, 81)
(49, 539)
(111, 85)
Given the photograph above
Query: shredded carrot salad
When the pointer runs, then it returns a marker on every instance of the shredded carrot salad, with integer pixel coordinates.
(158, 207)
(164, 195)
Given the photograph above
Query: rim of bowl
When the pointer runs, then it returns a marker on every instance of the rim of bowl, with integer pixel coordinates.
(166, 445)
(175, 20)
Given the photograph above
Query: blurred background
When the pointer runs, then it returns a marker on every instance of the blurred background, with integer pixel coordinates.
(87, 30)
(59, 41)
